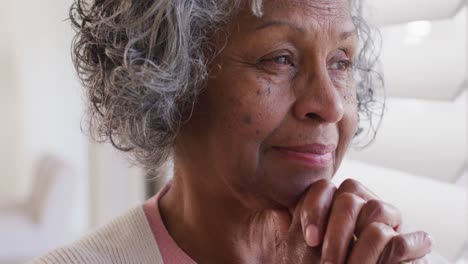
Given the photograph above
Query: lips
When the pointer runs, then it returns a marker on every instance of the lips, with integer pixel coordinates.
(313, 155)
(319, 149)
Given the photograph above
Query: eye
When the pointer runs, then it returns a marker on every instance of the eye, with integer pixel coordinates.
(283, 60)
(342, 65)
(279, 63)
(280, 60)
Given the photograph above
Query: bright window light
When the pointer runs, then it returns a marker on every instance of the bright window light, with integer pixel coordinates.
(416, 31)
(419, 28)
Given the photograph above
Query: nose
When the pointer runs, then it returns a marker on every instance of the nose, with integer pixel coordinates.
(319, 99)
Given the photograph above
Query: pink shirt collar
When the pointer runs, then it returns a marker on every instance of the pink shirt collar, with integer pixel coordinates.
(171, 253)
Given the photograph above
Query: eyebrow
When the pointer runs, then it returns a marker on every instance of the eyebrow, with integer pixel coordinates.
(278, 23)
(347, 34)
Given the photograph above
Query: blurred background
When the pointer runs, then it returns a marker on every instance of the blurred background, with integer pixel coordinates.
(55, 184)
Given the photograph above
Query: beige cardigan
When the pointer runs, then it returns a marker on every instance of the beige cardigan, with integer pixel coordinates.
(127, 239)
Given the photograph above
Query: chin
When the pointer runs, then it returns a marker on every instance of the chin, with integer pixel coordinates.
(286, 190)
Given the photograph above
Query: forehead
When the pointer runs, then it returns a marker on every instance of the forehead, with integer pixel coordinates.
(319, 7)
(324, 14)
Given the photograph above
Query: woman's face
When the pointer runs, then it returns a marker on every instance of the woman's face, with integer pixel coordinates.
(280, 108)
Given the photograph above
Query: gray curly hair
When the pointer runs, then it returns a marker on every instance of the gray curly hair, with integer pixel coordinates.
(144, 63)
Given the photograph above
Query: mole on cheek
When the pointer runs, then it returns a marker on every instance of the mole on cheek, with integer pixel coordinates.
(248, 120)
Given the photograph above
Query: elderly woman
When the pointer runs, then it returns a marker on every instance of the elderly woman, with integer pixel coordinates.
(256, 104)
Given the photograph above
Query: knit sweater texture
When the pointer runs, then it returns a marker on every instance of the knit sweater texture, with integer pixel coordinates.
(126, 240)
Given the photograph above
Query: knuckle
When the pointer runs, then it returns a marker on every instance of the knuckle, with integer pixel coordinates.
(319, 187)
(399, 246)
(379, 231)
(323, 183)
(348, 199)
(348, 205)
(349, 185)
(374, 209)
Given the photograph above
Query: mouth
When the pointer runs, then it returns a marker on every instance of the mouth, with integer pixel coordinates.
(314, 156)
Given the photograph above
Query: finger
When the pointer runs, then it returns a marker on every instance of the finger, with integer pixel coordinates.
(357, 188)
(421, 261)
(341, 225)
(314, 211)
(407, 247)
(378, 211)
(371, 243)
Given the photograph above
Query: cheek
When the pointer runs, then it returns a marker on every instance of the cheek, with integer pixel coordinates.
(348, 125)
(348, 88)
(351, 105)
(253, 108)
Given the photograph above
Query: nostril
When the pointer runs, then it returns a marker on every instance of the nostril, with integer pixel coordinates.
(311, 115)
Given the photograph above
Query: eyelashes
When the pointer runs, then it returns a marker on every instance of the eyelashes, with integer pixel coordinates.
(285, 63)
(342, 65)
(278, 60)
(340, 61)
(279, 64)
(283, 60)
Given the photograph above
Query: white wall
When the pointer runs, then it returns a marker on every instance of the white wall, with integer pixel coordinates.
(9, 124)
(116, 185)
(48, 109)
(45, 95)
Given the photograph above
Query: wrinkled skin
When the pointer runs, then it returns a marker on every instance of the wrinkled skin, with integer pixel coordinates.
(241, 192)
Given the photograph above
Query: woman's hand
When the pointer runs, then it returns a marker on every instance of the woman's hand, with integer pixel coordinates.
(335, 218)
(325, 224)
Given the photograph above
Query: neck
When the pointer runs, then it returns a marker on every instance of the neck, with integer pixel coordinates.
(203, 217)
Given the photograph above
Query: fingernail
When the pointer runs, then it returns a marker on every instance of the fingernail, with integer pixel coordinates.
(328, 262)
(312, 236)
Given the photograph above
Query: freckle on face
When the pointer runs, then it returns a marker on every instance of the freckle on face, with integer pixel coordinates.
(248, 120)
